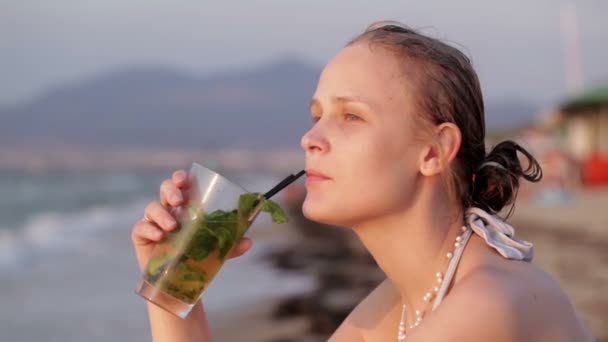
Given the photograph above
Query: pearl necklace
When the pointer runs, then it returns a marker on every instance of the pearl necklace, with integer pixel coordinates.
(430, 296)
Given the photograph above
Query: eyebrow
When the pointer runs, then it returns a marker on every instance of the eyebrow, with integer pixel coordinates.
(340, 99)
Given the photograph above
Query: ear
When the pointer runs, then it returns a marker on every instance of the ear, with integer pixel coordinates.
(436, 156)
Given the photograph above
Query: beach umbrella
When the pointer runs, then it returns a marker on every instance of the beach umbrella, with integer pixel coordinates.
(594, 98)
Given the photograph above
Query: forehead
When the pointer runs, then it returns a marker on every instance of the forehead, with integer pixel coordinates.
(372, 75)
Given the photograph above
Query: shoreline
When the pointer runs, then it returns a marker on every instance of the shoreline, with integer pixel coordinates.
(296, 284)
(43, 158)
(254, 322)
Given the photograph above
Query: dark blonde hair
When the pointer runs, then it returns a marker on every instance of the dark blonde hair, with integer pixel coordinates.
(447, 90)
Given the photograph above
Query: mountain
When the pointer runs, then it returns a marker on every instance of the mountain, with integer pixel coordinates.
(163, 107)
(261, 107)
(510, 113)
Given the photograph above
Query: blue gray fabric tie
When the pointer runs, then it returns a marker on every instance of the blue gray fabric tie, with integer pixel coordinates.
(498, 234)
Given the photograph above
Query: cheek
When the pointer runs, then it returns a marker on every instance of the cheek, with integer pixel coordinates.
(372, 177)
(390, 175)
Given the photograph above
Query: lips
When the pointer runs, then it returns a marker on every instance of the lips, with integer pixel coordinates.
(313, 176)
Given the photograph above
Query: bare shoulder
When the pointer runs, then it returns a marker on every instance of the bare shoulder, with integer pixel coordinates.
(509, 301)
(374, 318)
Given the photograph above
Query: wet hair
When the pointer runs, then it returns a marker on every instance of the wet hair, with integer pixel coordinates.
(446, 89)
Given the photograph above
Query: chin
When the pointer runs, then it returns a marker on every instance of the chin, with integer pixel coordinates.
(323, 213)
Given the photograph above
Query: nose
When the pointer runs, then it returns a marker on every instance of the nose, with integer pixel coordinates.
(314, 141)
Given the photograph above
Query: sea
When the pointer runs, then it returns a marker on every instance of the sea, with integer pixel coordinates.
(67, 267)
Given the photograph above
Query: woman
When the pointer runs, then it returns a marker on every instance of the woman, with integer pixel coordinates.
(397, 153)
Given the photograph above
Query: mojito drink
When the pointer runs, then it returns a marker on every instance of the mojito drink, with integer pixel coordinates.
(185, 262)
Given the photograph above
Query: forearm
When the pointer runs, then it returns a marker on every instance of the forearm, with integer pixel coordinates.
(166, 327)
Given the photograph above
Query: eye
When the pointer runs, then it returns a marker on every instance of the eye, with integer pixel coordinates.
(352, 117)
(315, 119)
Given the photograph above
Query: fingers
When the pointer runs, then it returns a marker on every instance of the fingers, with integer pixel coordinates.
(242, 246)
(171, 189)
(180, 178)
(158, 215)
(145, 232)
(170, 194)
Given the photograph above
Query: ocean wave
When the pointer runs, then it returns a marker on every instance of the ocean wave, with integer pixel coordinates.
(49, 231)
(54, 212)
(11, 248)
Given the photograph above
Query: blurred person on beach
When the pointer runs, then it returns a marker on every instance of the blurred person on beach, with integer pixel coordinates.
(396, 152)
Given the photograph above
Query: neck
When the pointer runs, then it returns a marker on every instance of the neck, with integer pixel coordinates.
(410, 246)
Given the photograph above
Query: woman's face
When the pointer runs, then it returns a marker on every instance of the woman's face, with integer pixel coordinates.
(361, 153)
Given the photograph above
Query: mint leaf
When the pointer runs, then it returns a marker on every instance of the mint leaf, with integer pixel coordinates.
(190, 273)
(227, 238)
(202, 242)
(221, 229)
(277, 213)
(224, 226)
(193, 277)
(220, 215)
(246, 202)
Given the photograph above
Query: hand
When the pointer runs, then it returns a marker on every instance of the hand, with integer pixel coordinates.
(158, 220)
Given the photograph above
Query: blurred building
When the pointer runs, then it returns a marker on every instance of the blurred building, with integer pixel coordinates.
(580, 125)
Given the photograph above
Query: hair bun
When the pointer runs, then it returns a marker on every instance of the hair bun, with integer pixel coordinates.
(496, 179)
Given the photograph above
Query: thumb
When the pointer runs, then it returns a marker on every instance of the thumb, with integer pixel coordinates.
(242, 246)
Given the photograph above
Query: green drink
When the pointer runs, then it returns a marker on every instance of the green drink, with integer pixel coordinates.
(216, 216)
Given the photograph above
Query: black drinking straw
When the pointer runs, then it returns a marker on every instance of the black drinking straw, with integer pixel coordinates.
(284, 183)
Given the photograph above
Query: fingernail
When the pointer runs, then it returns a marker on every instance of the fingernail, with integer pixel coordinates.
(170, 223)
(180, 177)
(176, 198)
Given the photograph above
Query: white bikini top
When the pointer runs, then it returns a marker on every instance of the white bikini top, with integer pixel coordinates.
(497, 234)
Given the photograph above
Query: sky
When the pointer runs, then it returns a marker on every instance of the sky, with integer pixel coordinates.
(515, 45)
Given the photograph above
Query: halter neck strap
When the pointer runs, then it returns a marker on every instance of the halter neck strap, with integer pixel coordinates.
(498, 234)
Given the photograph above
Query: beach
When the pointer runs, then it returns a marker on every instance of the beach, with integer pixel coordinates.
(86, 292)
(68, 272)
(571, 244)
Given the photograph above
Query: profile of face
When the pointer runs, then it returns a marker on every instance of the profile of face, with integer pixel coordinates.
(362, 152)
